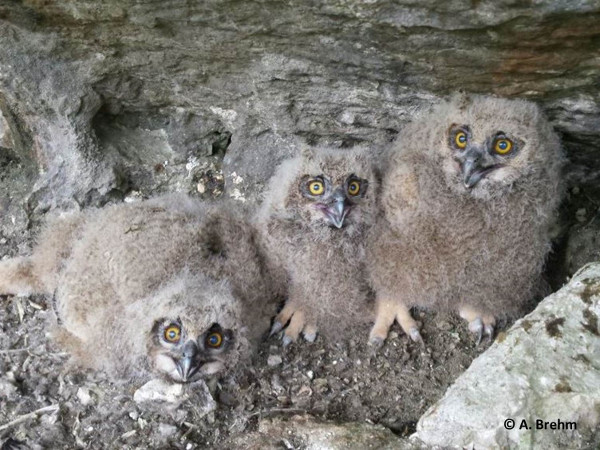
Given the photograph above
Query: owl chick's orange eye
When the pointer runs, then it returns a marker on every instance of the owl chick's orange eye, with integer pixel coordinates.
(214, 340)
(316, 187)
(503, 146)
(460, 139)
(354, 188)
(172, 334)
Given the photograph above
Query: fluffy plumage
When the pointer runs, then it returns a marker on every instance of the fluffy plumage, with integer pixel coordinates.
(170, 286)
(468, 199)
(312, 225)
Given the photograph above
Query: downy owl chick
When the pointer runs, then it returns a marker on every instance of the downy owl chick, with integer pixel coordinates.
(170, 286)
(312, 226)
(468, 199)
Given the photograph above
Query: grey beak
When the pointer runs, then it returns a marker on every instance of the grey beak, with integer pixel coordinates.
(337, 213)
(472, 167)
(188, 364)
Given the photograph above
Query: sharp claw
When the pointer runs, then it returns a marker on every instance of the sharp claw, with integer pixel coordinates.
(479, 336)
(376, 342)
(489, 332)
(276, 328)
(310, 337)
(415, 335)
(286, 341)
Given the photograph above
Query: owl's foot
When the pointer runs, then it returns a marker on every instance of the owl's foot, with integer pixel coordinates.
(297, 324)
(479, 324)
(387, 312)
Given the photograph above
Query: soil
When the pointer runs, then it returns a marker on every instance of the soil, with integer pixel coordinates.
(347, 382)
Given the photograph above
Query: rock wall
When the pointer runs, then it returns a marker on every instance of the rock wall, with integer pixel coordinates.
(106, 99)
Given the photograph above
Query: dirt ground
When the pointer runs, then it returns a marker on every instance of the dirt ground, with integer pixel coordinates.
(350, 382)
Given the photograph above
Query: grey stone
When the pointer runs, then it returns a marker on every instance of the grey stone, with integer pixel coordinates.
(546, 367)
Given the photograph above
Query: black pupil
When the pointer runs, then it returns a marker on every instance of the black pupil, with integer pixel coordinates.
(462, 138)
(316, 187)
(172, 334)
(502, 145)
(214, 339)
(354, 186)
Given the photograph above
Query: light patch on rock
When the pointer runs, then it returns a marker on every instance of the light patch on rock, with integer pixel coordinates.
(228, 115)
(237, 195)
(546, 367)
(192, 163)
(236, 178)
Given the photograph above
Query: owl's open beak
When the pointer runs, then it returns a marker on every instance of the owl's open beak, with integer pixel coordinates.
(337, 212)
(473, 168)
(188, 364)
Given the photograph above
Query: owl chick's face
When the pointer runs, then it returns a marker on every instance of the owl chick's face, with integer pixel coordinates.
(183, 353)
(488, 144)
(333, 189)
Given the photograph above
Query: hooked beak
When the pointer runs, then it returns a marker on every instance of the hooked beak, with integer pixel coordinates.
(188, 364)
(337, 212)
(472, 168)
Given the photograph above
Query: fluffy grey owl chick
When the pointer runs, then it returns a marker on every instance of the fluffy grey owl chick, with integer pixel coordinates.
(468, 198)
(170, 286)
(312, 226)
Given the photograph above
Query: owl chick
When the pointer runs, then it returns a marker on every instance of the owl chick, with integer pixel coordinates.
(170, 286)
(312, 225)
(470, 193)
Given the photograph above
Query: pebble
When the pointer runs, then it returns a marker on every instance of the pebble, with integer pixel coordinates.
(166, 430)
(274, 360)
(83, 394)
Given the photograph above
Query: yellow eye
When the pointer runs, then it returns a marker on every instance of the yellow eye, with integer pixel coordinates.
(460, 139)
(316, 187)
(503, 146)
(354, 187)
(172, 334)
(214, 340)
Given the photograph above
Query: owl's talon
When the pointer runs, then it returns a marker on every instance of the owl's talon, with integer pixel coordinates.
(276, 328)
(488, 330)
(376, 342)
(310, 337)
(286, 340)
(415, 335)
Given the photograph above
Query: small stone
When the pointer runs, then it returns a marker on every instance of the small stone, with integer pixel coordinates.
(392, 335)
(274, 360)
(134, 415)
(580, 214)
(310, 374)
(8, 390)
(166, 430)
(84, 396)
(201, 188)
(159, 390)
(128, 434)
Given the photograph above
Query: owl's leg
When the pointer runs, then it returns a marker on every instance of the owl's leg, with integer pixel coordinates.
(407, 323)
(293, 330)
(283, 317)
(386, 312)
(479, 323)
(297, 324)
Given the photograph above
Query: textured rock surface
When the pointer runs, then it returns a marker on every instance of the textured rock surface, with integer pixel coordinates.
(105, 98)
(547, 366)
